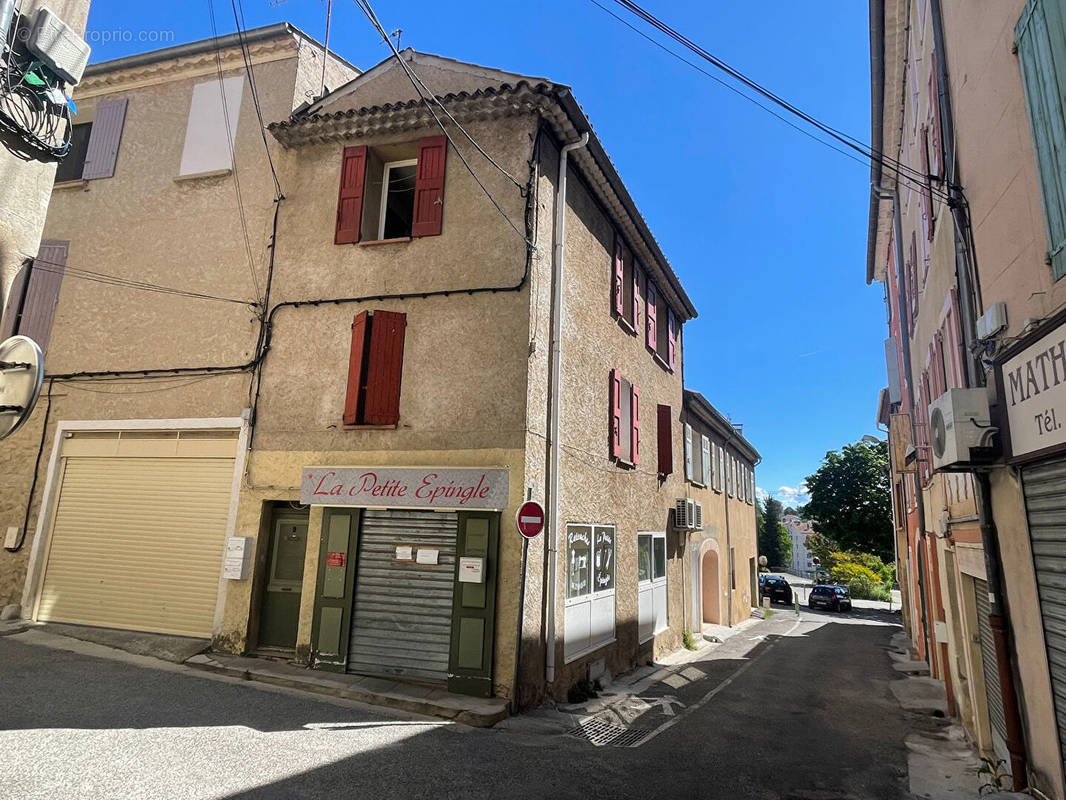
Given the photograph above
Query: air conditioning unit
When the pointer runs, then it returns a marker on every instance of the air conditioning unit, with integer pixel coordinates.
(685, 514)
(958, 421)
(697, 516)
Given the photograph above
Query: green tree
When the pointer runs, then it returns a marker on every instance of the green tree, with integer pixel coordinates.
(850, 498)
(774, 541)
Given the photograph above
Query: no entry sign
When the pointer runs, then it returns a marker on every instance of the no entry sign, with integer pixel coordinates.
(530, 519)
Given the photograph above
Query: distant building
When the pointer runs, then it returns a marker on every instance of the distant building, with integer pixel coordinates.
(802, 563)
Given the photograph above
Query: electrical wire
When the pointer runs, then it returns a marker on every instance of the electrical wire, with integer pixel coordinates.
(368, 11)
(58, 268)
(36, 471)
(233, 156)
(903, 171)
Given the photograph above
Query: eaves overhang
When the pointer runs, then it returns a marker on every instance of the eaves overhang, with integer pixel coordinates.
(698, 405)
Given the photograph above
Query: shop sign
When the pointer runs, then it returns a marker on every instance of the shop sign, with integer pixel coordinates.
(395, 487)
(1032, 390)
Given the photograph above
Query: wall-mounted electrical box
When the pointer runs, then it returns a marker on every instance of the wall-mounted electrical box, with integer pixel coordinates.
(237, 558)
(11, 539)
(992, 321)
(58, 46)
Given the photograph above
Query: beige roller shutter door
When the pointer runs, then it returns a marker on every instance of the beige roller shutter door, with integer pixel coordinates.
(138, 533)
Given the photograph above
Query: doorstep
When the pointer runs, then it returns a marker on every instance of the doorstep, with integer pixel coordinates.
(474, 711)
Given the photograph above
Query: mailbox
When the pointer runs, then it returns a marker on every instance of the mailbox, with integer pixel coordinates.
(471, 570)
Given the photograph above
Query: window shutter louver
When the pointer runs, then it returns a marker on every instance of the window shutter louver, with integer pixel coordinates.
(615, 391)
(913, 273)
(350, 199)
(672, 331)
(705, 447)
(42, 293)
(353, 397)
(619, 278)
(688, 452)
(958, 362)
(938, 364)
(384, 368)
(634, 433)
(1039, 34)
(664, 434)
(636, 299)
(429, 186)
(650, 299)
(104, 138)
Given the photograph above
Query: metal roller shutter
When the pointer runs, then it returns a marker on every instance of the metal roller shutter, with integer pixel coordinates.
(1044, 486)
(993, 691)
(136, 542)
(402, 617)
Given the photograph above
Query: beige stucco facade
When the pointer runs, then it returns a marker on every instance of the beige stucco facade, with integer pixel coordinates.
(941, 556)
(477, 304)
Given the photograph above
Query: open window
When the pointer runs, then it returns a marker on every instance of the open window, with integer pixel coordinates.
(624, 408)
(391, 192)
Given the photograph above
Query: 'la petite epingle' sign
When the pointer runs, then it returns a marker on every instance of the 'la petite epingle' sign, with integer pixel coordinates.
(402, 487)
(1034, 392)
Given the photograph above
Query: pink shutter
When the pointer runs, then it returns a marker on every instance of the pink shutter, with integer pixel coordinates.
(650, 332)
(913, 275)
(636, 298)
(615, 392)
(618, 290)
(936, 144)
(384, 368)
(350, 198)
(939, 364)
(353, 397)
(672, 331)
(634, 432)
(429, 186)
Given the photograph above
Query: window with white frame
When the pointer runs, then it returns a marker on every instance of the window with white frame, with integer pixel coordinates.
(589, 617)
(397, 206)
(705, 459)
(651, 585)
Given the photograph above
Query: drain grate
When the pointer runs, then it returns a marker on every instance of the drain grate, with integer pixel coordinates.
(601, 733)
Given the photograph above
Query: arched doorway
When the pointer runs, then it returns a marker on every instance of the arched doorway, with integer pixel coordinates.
(709, 586)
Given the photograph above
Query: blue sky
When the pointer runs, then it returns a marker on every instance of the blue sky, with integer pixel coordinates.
(766, 228)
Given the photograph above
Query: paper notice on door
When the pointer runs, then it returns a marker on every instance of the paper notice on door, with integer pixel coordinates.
(427, 556)
(404, 553)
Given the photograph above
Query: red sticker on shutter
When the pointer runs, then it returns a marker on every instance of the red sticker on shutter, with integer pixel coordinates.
(336, 559)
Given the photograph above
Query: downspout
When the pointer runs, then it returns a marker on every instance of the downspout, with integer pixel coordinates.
(969, 293)
(553, 430)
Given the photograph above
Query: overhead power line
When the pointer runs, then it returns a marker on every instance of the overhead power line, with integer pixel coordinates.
(905, 172)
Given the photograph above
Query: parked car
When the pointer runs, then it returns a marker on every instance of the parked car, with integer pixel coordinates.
(835, 598)
(776, 588)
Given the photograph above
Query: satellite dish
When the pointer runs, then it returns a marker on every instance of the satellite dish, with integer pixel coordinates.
(21, 375)
(940, 434)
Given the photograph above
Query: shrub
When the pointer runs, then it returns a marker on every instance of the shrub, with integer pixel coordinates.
(861, 581)
(882, 593)
(687, 640)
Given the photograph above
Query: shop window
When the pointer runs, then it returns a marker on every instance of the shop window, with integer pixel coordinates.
(651, 585)
(393, 192)
(589, 617)
(624, 412)
(375, 369)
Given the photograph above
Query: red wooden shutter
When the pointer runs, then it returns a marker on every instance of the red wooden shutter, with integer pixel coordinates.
(384, 368)
(665, 435)
(672, 331)
(634, 432)
(636, 299)
(650, 332)
(352, 399)
(350, 200)
(429, 186)
(913, 273)
(615, 410)
(618, 290)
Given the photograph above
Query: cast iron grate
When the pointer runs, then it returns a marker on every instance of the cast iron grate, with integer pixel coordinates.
(601, 733)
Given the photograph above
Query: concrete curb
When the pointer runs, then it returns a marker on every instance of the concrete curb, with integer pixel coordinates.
(456, 711)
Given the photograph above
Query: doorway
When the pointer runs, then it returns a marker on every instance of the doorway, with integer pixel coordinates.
(709, 587)
(279, 614)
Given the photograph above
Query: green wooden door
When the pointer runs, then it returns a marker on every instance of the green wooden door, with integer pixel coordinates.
(333, 595)
(474, 607)
(280, 611)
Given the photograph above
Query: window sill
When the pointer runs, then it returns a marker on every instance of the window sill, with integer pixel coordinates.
(392, 427)
(192, 176)
(376, 242)
(627, 326)
(80, 183)
(660, 361)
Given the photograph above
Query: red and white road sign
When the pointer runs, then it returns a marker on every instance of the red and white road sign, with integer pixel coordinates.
(530, 519)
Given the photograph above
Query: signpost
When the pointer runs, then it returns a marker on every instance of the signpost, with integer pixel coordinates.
(529, 519)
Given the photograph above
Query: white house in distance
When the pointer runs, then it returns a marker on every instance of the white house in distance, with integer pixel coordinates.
(802, 563)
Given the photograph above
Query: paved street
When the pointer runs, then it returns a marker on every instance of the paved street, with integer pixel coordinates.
(789, 708)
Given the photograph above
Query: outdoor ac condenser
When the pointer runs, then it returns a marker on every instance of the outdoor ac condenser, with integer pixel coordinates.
(958, 421)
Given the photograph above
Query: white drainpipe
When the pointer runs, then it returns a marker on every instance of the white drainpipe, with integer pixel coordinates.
(553, 432)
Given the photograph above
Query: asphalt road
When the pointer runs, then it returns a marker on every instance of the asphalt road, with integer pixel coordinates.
(795, 709)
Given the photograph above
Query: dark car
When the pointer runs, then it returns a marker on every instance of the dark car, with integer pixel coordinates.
(776, 588)
(835, 598)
